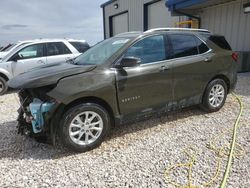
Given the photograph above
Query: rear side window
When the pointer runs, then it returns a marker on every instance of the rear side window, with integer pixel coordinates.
(183, 45)
(202, 47)
(80, 46)
(57, 48)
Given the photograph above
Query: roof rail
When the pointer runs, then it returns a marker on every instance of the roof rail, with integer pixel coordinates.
(177, 29)
(127, 33)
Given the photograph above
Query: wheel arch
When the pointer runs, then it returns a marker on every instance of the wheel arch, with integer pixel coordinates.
(4, 76)
(224, 78)
(219, 76)
(95, 100)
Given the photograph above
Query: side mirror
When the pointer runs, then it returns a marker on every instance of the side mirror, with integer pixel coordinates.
(14, 58)
(129, 62)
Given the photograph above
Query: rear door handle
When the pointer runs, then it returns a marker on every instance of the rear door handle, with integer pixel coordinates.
(163, 68)
(40, 62)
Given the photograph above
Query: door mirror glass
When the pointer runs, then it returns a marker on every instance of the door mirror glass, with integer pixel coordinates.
(129, 62)
(15, 58)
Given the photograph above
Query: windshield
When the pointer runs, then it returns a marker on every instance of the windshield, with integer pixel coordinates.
(101, 52)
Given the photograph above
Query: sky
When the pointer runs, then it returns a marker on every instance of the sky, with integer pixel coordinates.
(32, 19)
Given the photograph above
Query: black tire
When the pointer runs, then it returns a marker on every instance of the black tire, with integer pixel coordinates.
(71, 114)
(3, 86)
(206, 104)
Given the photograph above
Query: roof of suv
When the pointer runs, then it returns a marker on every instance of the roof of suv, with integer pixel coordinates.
(138, 33)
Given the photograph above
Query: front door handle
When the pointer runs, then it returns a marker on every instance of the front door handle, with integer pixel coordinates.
(163, 68)
(207, 59)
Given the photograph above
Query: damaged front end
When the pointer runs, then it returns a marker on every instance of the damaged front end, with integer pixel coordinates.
(35, 112)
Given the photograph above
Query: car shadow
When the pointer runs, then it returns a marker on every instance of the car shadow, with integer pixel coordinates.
(15, 146)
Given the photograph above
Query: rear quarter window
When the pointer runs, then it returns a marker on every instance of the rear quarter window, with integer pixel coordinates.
(219, 41)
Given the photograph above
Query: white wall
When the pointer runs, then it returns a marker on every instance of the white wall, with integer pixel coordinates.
(229, 20)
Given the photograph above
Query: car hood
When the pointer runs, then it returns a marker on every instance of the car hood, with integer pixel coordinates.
(47, 75)
(2, 54)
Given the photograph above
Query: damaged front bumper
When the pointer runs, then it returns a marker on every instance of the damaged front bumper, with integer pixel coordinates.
(33, 113)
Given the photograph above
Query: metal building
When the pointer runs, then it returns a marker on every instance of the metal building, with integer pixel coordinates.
(230, 18)
(135, 15)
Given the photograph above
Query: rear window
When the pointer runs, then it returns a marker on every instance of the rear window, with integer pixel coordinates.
(80, 46)
(219, 41)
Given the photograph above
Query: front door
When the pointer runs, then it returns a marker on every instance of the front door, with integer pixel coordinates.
(145, 88)
(28, 58)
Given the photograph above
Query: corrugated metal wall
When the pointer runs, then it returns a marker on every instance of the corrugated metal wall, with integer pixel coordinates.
(229, 20)
(135, 10)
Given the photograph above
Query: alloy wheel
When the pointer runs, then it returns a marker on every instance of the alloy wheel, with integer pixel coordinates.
(216, 95)
(86, 128)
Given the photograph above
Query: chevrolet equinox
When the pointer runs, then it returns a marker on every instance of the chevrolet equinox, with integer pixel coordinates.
(125, 78)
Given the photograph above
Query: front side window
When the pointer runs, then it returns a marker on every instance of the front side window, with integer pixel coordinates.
(183, 45)
(148, 50)
(32, 51)
(57, 48)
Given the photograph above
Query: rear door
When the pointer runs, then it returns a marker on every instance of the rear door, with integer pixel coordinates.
(58, 52)
(192, 67)
(145, 88)
(28, 58)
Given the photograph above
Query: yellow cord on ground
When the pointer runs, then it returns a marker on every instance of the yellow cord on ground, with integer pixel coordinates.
(221, 152)
(233, 144)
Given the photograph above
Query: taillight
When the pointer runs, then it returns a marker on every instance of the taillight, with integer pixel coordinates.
(235, 56)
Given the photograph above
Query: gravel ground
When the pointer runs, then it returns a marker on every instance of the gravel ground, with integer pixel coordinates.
(134, 155)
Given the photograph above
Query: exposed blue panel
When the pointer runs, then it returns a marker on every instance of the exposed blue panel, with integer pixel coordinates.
(180, 4)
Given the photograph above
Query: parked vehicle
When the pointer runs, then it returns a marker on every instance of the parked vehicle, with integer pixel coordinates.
(122, 79)
(28, 55)
(11, 47)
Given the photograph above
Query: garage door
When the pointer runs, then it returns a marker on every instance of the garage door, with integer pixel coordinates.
(119, 24)
(159, 16)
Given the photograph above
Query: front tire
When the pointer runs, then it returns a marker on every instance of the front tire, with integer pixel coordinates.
(3, 86)
(84, 127)
(215, 96)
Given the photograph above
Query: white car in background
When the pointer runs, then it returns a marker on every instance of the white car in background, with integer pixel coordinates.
(37, 53)
(12, 48)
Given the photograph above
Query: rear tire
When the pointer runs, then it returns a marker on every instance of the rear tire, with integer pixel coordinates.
(84, 127)
(3, 86)
(215, 96)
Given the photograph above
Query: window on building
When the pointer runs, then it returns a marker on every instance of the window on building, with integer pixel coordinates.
(183, 45)
(57, 48)
(148, 50)
(80, 46)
